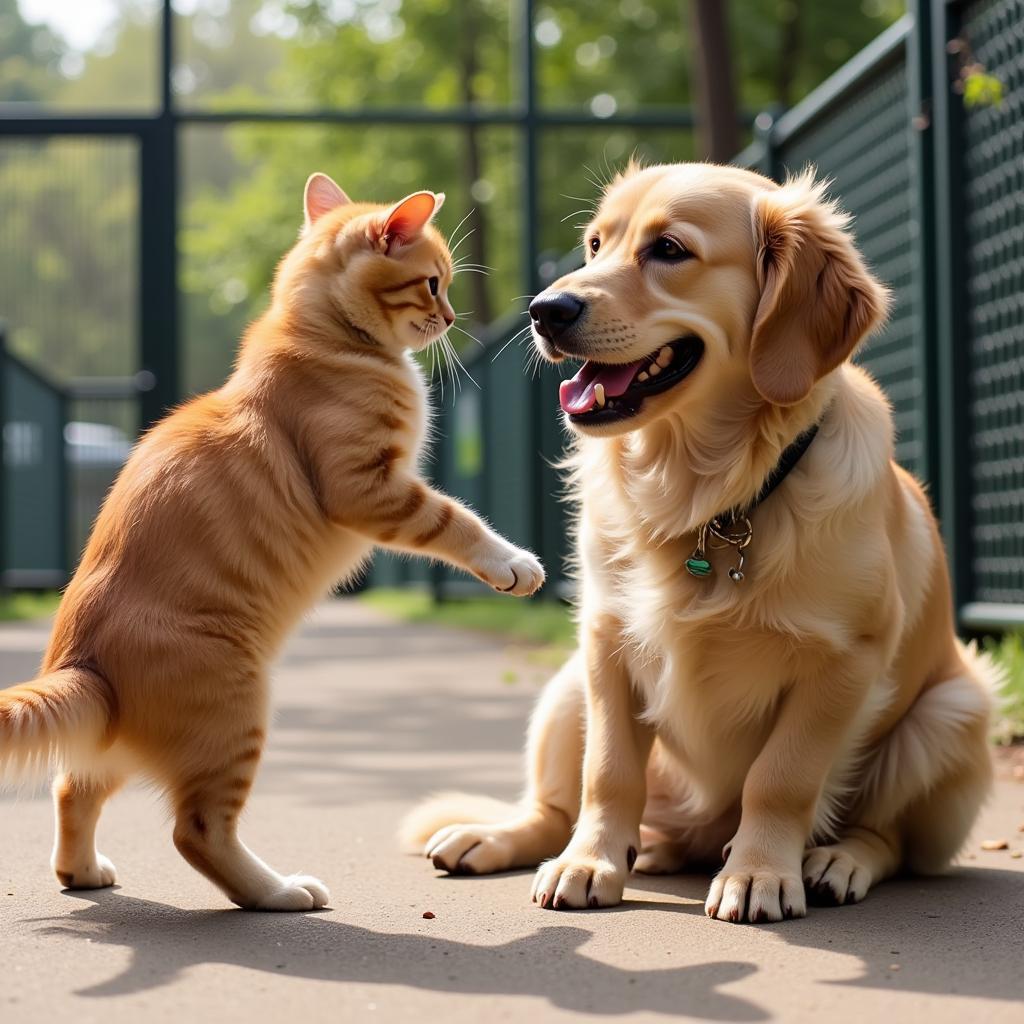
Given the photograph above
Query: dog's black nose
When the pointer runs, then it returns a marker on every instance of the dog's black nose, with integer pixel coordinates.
(554, 313)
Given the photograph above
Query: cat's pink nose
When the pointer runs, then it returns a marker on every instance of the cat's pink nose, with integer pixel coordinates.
(449, 317)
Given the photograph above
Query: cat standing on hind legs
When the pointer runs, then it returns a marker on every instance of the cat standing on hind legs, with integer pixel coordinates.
(232, 516)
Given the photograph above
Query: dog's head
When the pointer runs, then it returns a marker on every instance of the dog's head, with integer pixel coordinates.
(701, 280)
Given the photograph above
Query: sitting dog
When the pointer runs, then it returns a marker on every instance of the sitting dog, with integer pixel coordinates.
(767, 670)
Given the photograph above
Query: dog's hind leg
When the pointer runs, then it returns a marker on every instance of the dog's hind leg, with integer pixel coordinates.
(468, 835)
(844, 871)
(922, 793)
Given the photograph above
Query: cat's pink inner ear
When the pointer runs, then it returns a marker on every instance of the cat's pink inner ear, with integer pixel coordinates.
(408, 218)
(322, 195)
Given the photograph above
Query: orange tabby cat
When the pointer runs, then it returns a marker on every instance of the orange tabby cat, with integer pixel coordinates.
(231, 517)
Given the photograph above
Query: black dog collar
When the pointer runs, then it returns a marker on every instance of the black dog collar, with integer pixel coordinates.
(733, 529)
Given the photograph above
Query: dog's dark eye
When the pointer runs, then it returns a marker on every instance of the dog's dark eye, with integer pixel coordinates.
(432, 284)
(668, 249)
(595, 244)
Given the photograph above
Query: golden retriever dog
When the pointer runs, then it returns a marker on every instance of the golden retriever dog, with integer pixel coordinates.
(767, 672)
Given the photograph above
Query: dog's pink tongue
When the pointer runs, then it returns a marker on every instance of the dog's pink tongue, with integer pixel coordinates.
(578, 395)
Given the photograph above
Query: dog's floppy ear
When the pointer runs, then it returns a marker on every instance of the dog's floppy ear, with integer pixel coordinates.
(818, 299)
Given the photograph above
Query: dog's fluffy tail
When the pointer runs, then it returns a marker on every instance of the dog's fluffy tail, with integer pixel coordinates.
(443, 809)
(63, 711)
(929, 742)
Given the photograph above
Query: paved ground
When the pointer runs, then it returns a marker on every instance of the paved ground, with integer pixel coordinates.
(371, 716)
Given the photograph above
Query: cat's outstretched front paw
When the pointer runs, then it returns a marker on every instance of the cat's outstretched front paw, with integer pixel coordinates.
(521, 575)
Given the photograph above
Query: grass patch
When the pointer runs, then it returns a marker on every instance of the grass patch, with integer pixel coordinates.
(1009, 653)
(544, 623)
(28, 604)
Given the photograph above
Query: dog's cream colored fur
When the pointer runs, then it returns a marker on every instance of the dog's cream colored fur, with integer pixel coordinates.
(818, 725)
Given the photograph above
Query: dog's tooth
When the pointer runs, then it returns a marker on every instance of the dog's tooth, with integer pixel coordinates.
(655, 369)
(643, 375)
(599, 393)
(665, 357)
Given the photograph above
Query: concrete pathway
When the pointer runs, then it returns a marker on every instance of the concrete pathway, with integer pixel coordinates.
(370, 716)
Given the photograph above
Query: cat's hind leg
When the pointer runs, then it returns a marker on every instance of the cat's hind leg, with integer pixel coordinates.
(207, 802)
(78, 801)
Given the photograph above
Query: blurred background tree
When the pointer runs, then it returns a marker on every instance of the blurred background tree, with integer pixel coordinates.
(242, 184)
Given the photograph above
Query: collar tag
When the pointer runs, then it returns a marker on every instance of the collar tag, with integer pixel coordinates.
(733, 529)
(734, 532)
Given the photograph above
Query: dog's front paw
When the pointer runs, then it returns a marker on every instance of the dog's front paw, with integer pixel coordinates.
(576, 881)
(756, 896)
(515, 571)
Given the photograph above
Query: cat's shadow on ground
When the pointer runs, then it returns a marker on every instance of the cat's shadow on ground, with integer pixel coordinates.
(957, 934)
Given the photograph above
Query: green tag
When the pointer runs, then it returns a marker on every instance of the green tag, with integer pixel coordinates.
(698, 567)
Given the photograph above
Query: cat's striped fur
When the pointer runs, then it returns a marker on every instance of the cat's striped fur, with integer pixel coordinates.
(231, 517)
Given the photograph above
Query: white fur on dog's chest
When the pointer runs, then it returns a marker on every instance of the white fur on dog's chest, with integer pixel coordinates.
(711, 686)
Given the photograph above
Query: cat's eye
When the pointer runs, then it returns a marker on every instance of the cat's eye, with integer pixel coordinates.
(595, 244)
(669, 249)
(432, 284)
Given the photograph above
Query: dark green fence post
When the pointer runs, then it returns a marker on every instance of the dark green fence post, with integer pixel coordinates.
(158, 201)
(532, 494)
(3, 456)
(764, 132)
(920, 85)
(950, 327)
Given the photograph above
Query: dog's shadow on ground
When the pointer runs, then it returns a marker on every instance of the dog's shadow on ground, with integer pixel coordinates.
(166, 942)
(960, 934)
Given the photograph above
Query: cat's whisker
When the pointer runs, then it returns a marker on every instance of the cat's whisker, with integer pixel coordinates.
(461, 365)
(450, 359)
(454, 245)
(454, 250)
(473, 337)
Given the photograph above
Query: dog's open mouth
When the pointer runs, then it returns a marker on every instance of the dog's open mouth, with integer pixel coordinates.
(604, 392)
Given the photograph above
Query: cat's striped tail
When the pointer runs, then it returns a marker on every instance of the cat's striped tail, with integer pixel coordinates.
(60, 713)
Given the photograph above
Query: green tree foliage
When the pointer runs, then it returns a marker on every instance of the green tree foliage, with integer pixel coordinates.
(243, 183)
(30, 57)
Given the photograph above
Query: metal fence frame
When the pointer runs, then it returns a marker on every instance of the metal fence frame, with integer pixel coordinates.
(158, 137)
(921, 41)
(915, 47)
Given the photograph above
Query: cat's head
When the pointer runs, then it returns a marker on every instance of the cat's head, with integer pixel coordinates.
(383, 271)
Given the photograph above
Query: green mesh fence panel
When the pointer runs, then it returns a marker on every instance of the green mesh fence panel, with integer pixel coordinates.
(994, 230)
(35, 552)
(863, 144)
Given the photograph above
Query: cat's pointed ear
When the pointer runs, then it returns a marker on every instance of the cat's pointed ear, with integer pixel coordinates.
(321, 196)
(405, 220)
